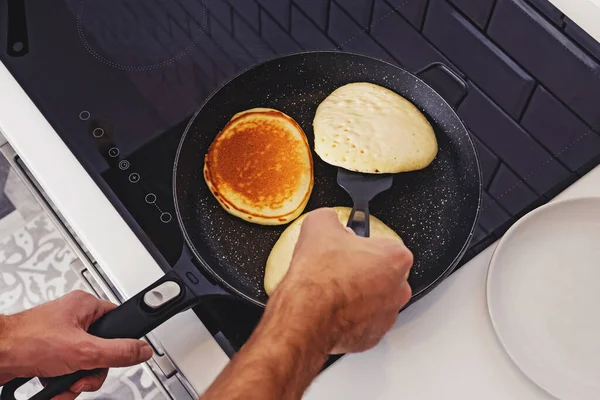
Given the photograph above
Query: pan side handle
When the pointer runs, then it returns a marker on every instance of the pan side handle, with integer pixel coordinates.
(133, 319)
(451, 86)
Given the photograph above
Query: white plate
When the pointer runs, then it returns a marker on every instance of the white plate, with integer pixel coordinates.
(543, 294)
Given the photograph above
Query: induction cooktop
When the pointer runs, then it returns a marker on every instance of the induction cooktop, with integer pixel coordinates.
(119, 80)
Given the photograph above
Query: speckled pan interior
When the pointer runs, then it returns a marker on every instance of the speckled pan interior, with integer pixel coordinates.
(433, 210)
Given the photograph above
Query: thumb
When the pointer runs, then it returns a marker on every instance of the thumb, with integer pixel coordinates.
(117, 353)
(321, 220)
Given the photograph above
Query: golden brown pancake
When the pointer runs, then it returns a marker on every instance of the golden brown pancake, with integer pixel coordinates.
(260, 167)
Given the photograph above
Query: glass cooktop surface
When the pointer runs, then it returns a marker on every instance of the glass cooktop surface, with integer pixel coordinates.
(120, 79)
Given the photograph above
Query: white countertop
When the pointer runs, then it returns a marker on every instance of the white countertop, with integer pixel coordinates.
(585, 13)
(441, 347)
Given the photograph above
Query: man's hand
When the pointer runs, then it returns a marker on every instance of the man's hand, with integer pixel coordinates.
(342, 293)
(51, 340)
(359, 284)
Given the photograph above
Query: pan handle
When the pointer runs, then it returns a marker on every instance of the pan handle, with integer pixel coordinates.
(173, 293)
(446, 82)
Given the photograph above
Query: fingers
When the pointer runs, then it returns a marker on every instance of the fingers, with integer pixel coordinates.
(66, 396)
(87, 308)
(321, 219)
(90, 383)
(94, 352)
(403, 296)
(398, 254)
(102, 307)
(318, 224)
(405, 261)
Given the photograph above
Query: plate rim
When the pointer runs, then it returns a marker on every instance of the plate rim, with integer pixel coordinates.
(494, 262)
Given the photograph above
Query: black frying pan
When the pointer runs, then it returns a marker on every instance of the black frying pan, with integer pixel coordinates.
(433, 210)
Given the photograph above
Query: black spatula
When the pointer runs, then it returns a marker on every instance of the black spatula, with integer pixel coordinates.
(362, 188)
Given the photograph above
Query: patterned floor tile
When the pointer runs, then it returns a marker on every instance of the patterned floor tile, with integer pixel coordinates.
(34, 268)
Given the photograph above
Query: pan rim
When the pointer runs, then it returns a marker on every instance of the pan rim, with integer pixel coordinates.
(227, 285)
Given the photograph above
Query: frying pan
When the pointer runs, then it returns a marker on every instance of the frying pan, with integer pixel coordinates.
(434, 210)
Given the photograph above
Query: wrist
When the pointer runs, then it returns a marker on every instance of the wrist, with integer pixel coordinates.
(286, 350)
(304, 309)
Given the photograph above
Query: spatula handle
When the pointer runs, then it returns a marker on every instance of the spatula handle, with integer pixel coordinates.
(359, 219)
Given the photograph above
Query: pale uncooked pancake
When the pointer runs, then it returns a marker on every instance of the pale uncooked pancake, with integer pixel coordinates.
(280, 257)
(368, 128)
(260, 167)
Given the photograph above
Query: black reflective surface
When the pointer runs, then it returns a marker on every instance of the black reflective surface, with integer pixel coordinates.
(119, 80)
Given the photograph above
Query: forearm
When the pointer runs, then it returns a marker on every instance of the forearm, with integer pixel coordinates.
(284, 354)
(4, 350)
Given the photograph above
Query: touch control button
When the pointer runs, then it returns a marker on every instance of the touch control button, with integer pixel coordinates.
(192, 278)
(162, 294)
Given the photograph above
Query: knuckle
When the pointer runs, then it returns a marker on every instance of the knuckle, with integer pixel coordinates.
(391, 322)
(388, 322)
(409, 257)
(402, 259)
(89, 299)
(78, 294)
(94, 385)
(130, 352)
(82, 298)
(88, 354)
(372, 341)
(402, 253)
(404, 295)
(396, 250)
(398, 299)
